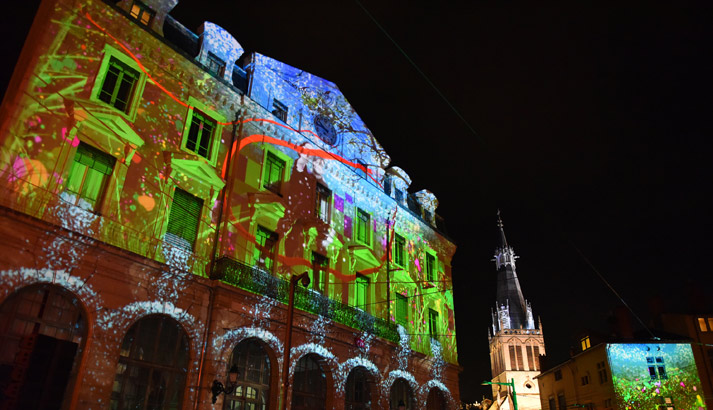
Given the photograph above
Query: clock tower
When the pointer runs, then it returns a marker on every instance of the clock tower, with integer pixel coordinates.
(516, 343)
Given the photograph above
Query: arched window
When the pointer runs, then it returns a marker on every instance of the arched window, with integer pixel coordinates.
(309, 388)
(401, 397)
(253, 389)
(152, 368)
(436, 400)
(358, 390)
(42, 329)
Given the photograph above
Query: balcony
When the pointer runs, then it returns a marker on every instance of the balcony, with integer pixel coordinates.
(258, 281)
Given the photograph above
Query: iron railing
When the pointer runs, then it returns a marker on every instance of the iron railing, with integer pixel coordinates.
(258, 281)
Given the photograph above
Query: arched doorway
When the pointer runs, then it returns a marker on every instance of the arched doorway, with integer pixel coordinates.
(152, 368)
(358, 390)
(309, 386)
(401, 396)
(436, 400)
(42, 331)
(254, 372)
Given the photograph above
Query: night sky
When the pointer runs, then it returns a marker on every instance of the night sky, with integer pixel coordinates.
(591, 132)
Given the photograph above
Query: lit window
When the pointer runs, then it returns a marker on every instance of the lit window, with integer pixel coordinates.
(253, 383)
(274, 173)
(320, 265)
(119, 85)
(324, 203)
(433, 323)
(265, 244)
(430, 267)
(200, 134)
(362, 291)
(183, 219)
(279, 110)
(398, 250)
(142, 13)
(710, 323)
(216, 65)
(363, 220)
(586, 344)
(88, 177)
(702, 324)
(401, 309)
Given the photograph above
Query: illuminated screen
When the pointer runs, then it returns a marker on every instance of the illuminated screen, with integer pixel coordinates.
(655, 376)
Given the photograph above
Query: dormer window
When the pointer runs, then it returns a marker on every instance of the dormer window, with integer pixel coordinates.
(215, 65)
(142, 13)
(279, 110)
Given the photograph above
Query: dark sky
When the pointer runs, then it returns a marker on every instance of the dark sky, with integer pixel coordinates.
(592, 129)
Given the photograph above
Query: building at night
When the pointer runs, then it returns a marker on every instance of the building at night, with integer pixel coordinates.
(160, 188)
(516, 343)
(624, 375)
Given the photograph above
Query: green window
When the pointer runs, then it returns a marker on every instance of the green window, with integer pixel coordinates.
(183, 219)
(89, 176)
(433, 323)
(401, 309)
(362, 291)
(399, 246)
(363, 220)
(119, 85)
(430, 267)
(274, 173)
(320, 265)
(200, 135)
(265, 244)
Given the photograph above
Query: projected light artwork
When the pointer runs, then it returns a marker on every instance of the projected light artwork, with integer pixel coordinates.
(655, 376)
(178, 192)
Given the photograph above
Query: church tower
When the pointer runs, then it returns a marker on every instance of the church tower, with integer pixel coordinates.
(515, 342)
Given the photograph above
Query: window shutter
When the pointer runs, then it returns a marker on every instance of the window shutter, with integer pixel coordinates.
(183, 219)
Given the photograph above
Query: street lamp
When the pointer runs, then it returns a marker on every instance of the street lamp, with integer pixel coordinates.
(304, 278)
(218, 387)
(511, 384)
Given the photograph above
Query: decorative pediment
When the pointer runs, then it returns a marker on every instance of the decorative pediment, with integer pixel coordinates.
(200, 175)
(363, 258)
(107, 128)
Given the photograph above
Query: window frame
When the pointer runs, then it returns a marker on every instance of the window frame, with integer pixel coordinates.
(272, 250)
(431, 267)
(323, 195)
(215, 65)
(401, 300)
(177, 189)
(215, 117)
(279, 110)
(285, 172)
(138, 89)
(399, 258)
(361, 284)
(98, 205)
(320, 272)
(358, 222)
(143, 10)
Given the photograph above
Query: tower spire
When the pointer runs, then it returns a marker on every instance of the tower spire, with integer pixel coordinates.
(512, 310)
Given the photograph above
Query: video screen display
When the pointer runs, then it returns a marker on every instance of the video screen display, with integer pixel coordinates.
(655, 376)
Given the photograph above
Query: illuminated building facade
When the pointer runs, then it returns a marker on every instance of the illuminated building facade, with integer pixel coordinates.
(159, 189)
(632, 375)
(515, 342)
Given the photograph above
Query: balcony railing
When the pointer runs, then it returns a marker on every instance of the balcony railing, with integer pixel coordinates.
(256, 280)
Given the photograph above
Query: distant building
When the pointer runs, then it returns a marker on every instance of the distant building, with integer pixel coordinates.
(159, 188)
(624, 376)
(699, 328)
(515, 342)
